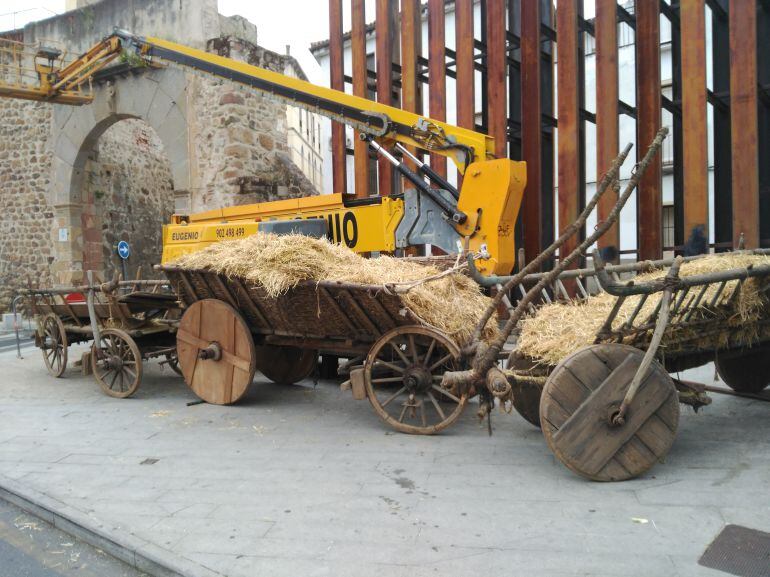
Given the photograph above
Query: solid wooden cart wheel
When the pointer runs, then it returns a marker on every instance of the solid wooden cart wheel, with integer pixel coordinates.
(116, 363)
(745, 372)
(403, 374)
(54, 345)
(286, 365)
(526, 394)
(581, 396)
(215, 351)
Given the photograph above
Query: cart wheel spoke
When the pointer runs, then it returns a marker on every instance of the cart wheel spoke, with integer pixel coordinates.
(438, 408)
(429, 354)
(389, 380)
(445, 359)
(401, 354)
(413, 347)
(393, 396)
(446, 393)
(391, 366)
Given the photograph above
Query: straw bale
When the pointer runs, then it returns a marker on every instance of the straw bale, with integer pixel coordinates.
(559, 329)
(453, 303)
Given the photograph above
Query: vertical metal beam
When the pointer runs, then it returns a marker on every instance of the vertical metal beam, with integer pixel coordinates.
(569, 154)
(606, 31)
(692, 19)
(465, 93)
(743, 113)
(497, 101)
(531, 135)
(648, 122)
(337, 81)
(411, 43)
(384, 26)
(437, 72)
(358, 49)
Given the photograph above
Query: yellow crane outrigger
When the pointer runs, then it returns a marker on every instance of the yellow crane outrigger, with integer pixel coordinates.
(480, 217)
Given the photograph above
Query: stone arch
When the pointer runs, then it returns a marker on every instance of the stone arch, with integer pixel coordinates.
(158, 97)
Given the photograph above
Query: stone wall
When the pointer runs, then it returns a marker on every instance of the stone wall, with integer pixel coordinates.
(129, 191)
(240, 137)
(26, 217)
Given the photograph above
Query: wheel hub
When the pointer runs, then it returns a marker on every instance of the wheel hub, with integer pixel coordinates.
(417, 379)
(113, 362)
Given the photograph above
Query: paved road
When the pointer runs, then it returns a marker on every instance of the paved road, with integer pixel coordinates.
(30, 547)
(304, 481)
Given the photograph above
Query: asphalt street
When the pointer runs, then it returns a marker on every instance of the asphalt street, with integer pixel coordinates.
(30, 547)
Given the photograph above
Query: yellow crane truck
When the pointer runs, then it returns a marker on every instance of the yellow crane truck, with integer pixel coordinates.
(480, 217)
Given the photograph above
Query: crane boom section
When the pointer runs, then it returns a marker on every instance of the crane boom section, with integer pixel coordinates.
(461, 145)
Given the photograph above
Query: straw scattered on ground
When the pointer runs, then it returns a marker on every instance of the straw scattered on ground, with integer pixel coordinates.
(452, 303)
(558, 330)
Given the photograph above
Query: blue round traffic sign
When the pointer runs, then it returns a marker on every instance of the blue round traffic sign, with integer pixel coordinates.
(124, 251)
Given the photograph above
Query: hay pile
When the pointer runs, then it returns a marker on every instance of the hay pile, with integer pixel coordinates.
(453, 303)
(558, 330)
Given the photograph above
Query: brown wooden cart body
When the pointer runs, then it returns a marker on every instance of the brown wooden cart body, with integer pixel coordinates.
(135, 317)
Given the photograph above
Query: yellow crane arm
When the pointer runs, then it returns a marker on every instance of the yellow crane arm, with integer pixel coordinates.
(378, 120)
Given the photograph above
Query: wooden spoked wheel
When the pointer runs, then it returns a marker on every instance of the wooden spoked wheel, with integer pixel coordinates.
(286, 365)
(116, 363)
(54, 345)
(747, 371)
(582, 395)
(403, 375)
(215, 351)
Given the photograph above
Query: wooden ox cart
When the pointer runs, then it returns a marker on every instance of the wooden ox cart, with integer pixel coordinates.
(128, 322)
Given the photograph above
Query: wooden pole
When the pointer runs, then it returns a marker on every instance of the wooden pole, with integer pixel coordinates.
(358, 49)
(437, 72)
(337, 81)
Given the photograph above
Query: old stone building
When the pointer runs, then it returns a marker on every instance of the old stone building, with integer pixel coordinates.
(76, 180)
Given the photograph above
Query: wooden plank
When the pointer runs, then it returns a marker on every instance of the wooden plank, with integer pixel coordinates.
(743, 119)
(465, 85)
(358, 51)
(568, 78)
(385, 26)
(606, 27)
(648, 122)
(411, 42)
(694, 128)
(337, 81)
(437, 72)
(497, 101)
(531, 129)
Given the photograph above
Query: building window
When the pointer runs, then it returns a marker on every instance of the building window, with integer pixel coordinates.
(668, 227)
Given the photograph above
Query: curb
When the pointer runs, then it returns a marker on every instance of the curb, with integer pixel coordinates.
(132, 550)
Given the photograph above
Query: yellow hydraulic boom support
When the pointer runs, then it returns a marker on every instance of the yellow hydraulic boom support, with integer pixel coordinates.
(480, 217)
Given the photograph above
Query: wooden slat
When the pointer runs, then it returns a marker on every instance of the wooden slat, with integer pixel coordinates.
(743, 119)
(358, 51)
(384, 25)
(411, 42)
(437, 72)
(497, 102)
(531, 131)
(337, 81)
(694, 128)
(605, 25)
(568, 77)
(649, 222)
(464, 66)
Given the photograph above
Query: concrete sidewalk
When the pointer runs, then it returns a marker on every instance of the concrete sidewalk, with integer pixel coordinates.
(302, 481)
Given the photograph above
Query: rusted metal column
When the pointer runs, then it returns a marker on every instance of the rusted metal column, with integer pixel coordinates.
(692, 18)
(465, 95)
(411, 41)
(531, 133)
(358, 50)
(648, 122)
(569, 119)
(497, 101)
(437, 71)
(337, 81)
(384, 26)
(606, 30)
(743, 118)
